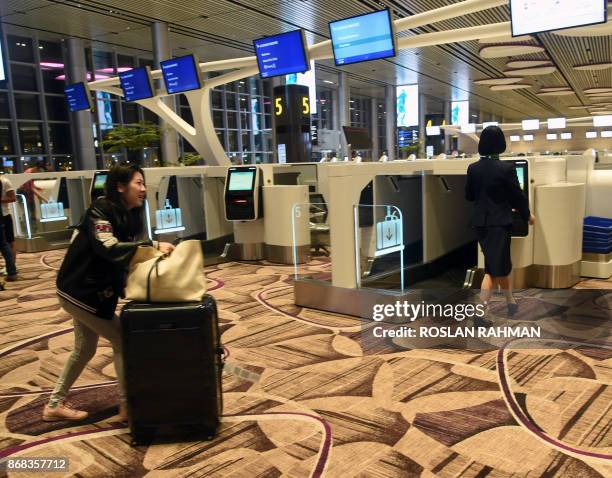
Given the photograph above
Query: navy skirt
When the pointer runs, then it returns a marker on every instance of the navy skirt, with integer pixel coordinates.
(495, 244)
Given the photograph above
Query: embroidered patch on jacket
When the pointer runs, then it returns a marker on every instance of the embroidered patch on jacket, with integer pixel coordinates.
(104, 226)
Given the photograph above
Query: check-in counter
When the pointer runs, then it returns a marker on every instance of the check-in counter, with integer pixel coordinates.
(434, 211)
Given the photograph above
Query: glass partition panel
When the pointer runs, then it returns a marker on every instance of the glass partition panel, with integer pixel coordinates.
(179, 209)
(310, 226)
(379, 246)
(46, 210)
(21, 218)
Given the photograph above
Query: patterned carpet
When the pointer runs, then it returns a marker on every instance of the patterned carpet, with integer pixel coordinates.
(302, 398)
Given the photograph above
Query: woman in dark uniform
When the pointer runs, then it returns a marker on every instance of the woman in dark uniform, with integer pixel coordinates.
(494, 188)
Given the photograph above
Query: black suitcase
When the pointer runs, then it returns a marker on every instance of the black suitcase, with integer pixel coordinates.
(173, 362)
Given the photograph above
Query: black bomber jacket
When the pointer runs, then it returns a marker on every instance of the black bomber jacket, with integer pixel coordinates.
(93, 273)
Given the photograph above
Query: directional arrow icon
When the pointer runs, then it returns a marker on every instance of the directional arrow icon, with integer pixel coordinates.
(389, 234)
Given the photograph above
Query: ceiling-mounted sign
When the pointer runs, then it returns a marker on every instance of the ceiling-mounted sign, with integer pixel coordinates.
(137, 84)
(531, 125)
(363, 38)
(282, 54)
(535, 16)
(181, 74)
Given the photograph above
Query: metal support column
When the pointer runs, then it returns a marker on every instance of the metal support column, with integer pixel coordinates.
(76, 69)
(162, 51)
(390, 122)
(374, 129)
(344, 114)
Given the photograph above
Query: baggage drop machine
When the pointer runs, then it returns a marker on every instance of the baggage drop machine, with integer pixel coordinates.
(244, 207)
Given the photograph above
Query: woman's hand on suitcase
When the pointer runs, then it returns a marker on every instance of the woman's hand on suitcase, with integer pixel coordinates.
(532, 220)
(166, 247)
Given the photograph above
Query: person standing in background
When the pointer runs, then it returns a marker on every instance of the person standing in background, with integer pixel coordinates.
(31, 192)
(492, 185)
(7, 236)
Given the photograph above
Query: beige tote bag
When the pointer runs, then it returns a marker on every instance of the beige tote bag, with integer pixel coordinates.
(178, 277)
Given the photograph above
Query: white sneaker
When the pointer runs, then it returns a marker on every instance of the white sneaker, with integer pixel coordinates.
(63, 411)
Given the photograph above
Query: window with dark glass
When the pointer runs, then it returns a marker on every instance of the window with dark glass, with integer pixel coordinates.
(244, 120)
(124, 61)
(130, 113)
(232, 140)
(244, 103)
(27, 106)
(30, 138)
(24, 78)
(246, 143)
(20, 48)
(103, 64)
(216, 99)
(53, 80)
(5, 112)
(267, 88)
(187, 147)
(6, 139)
(232, 121)
(50, 53)
(145, 62)
(230, 101)
(187, 115)
(149, 116)
(221, 136)
(217, 118)
(59, 138)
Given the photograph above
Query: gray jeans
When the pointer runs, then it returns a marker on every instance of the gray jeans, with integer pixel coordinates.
(87, 329)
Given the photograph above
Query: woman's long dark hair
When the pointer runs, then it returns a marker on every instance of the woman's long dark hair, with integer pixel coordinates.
(123, 174)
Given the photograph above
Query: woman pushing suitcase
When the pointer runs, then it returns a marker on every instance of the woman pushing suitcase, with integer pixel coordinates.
(92, 278)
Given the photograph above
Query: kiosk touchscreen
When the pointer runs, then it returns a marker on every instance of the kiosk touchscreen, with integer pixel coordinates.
(520, 227)
(242, 201)
(98, 184)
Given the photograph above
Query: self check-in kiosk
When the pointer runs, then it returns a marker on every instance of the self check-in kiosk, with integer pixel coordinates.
(520, 227)
(244, 207)
(98, 184)
(242, 194)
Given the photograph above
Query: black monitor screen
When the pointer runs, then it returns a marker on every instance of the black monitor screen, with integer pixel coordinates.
(99, 183)
(358, 138)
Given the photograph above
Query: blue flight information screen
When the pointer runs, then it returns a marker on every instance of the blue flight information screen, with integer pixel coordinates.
(281, 54)
(362, 38)
(136, 84)
(181, 74)
(77, 96)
